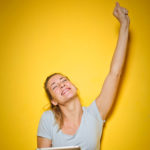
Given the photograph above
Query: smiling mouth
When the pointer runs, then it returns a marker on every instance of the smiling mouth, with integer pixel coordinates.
(66, 90)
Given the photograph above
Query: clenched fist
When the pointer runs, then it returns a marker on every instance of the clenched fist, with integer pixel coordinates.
(121, 14)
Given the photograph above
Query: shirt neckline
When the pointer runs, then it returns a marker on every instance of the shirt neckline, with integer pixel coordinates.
(82, 119)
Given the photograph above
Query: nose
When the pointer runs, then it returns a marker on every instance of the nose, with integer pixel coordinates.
(62, 85)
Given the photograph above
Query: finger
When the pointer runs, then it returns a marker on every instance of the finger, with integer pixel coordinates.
(117, 4)
(115, 9)
(119, 9)
(115, 13)
(125, 11)
(122, 10)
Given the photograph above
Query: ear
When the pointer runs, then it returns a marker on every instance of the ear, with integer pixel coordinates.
(54, 102)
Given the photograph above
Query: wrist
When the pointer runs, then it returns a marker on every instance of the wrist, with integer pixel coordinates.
(124, 25)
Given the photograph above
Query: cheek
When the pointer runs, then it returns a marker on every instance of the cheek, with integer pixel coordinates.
(54, 93)
(70, 85)
(73, 87)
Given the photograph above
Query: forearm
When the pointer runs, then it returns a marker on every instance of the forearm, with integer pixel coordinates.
(120, 51)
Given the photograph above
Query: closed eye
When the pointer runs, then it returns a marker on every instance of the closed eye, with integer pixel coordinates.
(54, 87)
(64, 80)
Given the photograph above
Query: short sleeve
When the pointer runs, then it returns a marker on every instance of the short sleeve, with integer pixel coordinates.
(45, 125)
(93, 109)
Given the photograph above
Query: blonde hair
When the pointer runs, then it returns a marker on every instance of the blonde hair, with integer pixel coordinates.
(55, 109)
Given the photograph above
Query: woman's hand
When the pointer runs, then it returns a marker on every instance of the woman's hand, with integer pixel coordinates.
(121, 14)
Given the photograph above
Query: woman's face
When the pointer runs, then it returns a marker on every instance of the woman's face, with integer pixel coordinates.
(61, 89)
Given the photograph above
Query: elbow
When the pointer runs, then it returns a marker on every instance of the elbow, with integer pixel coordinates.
(116, 70)
(116, 74)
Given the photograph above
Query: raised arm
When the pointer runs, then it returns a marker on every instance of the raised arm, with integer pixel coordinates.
(108, 93)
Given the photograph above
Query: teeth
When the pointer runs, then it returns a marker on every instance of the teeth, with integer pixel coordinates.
(65, 91)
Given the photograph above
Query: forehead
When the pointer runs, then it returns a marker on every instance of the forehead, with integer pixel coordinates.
(55, 78)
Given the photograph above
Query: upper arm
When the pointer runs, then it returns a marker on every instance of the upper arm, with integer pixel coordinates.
(43, 142)
(106, 98)
(45, 126)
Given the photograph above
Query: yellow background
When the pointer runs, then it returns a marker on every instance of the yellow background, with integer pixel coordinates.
(78, 39)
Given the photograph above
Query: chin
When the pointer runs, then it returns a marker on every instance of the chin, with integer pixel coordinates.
(70, 96)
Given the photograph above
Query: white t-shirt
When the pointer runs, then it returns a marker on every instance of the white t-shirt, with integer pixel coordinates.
(88, 135)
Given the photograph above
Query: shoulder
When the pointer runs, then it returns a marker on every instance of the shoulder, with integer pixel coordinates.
(46, 120)
(93, 110)
(46, 124)
(47, 115)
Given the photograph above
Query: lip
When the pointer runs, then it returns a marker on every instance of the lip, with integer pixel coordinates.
(65, 90)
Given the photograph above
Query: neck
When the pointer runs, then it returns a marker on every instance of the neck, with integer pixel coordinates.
(72, 110)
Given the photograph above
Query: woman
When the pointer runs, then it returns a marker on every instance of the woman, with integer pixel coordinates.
(70, 124)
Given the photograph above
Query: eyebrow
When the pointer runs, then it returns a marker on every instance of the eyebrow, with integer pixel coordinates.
(59, 78)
